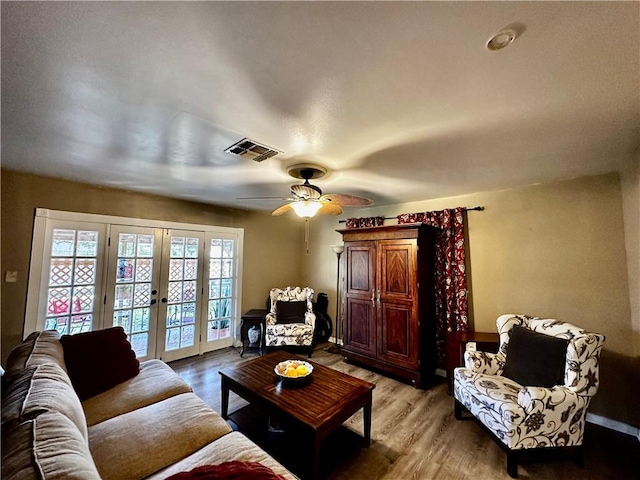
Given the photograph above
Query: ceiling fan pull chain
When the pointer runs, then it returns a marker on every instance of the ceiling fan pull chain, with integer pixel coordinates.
(306, 234)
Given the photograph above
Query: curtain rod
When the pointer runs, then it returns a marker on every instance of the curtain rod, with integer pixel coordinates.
(467, 209)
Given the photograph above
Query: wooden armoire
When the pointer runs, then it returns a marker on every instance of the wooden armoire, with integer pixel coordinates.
(388, 299)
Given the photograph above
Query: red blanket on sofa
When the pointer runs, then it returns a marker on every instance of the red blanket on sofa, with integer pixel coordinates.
(229, 471)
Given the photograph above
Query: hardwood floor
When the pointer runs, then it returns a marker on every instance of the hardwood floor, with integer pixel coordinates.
(415, 436)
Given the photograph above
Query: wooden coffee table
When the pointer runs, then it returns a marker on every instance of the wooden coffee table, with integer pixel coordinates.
(319, 405)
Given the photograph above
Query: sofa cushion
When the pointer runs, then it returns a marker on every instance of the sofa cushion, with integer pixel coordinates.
(18, 461)
(232, 447)
(17, 360)
(138, 443)
(100, 360)
(492, 397)
(290, 334)
(535, 359)
(155, 382)
(36, 349)
(290, 312)
(48, 447)
(14, 396)
(42, 388)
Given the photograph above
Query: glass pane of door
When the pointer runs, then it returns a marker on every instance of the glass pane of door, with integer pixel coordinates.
(132, 285)
(72, 303)
(181, 287)
(221, 291)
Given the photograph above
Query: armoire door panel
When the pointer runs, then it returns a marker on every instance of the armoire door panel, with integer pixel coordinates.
(361, 270)
(397, 277)
(396, 274)
(398, 335)
(360, 326)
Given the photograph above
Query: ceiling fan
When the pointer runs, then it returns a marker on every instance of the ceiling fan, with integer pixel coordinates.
(308, 199)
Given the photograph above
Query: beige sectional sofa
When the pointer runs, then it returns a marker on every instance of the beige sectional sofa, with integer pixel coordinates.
(151, 426)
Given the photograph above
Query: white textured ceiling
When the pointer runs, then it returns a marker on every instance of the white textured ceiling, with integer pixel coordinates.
(401, 101)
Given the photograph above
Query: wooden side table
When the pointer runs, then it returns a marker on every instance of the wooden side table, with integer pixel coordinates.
(254, 317)
(457, 344)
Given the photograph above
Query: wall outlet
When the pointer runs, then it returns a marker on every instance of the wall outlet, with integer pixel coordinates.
(470, 346)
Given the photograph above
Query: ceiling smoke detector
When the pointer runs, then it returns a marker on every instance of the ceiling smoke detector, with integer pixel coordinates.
(253, 150)
(502, 39)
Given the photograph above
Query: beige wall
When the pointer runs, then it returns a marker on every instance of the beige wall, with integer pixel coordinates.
(555, 250)
(271, 245)
(631, 210)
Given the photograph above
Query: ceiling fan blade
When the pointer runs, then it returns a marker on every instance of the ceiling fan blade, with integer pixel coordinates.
(281, 210)
(330, 208)
(347, 200)
(265, 198)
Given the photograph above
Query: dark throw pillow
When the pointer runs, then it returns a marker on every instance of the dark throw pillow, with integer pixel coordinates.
(290, 312)
(100, 360)
(535, 359)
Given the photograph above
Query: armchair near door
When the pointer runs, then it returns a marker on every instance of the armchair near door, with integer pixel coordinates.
(290, 321)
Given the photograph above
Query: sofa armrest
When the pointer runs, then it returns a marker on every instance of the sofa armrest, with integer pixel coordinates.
(484, 362)
(310, 319)
(270, 319)
(539, 399)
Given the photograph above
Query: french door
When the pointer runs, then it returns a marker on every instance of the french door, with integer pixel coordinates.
(222, 278)
(133, 278)
(181, 291)
(158, 294)
(72, 257)
(174, 291)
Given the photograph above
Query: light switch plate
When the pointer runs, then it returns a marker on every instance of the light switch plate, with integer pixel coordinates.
(11, 276)
(470, 346)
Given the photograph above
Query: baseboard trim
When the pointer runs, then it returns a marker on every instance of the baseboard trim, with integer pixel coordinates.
(613, 425)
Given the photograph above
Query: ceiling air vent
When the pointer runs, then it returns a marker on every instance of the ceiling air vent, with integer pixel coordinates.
(253, 150)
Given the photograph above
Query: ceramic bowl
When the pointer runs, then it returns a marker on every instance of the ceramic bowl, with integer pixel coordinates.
(285, 370)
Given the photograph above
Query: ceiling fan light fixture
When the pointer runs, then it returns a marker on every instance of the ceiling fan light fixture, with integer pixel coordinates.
(306, 208)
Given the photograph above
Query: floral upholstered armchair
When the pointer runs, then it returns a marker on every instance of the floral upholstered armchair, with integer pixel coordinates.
(290, 321)
(531, 421)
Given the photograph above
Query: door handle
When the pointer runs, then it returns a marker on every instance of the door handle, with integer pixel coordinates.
(378, 299)
(373, 297)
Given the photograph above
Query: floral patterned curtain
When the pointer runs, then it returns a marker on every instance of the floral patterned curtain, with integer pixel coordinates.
(451, 278)
(363, 222)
